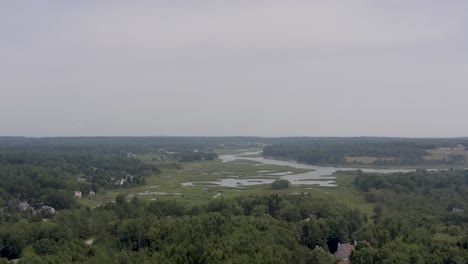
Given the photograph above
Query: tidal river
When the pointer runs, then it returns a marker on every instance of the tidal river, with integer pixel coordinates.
(318, 175)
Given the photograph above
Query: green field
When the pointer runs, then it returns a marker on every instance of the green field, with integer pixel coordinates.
(167, 185)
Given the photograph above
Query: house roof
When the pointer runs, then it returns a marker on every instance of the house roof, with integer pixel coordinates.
(344, 251)
(24, 205)
(457, 210)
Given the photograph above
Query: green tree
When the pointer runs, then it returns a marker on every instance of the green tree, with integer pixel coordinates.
(319, 255)
(279, 184)
(363, 254)
(59, 199)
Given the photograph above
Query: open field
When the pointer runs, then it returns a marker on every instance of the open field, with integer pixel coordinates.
(443, 153)
(228, 151)
(434, 154)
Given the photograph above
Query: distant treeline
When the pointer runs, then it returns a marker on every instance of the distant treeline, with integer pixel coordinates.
(419, 181)
(149, 144)
(111, 145)
(335, 150)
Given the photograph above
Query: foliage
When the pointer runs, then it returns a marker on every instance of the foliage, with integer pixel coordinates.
(388, 151)
(172, 231)
(279, 184)
(51, 178)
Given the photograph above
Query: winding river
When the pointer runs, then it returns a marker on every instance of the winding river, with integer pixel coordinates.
(318, 175)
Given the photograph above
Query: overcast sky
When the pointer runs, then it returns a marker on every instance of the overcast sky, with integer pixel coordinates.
(217, 68)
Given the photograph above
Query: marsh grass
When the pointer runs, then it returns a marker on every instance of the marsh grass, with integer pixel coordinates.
(170, 180)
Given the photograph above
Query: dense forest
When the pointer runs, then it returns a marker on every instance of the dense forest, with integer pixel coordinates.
(422, 210)
(386, 151)
(111, 145)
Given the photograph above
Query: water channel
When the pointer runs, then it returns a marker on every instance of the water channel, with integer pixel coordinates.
(318, 175)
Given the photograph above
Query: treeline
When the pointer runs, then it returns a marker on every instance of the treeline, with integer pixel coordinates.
(141, 145)
(419, 181)
(388, 151)
(111, 145)
(336, 154)
(314, 150)
(186, 156)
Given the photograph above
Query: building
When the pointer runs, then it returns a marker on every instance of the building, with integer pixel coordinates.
(48, 210)
(23, 206)
(457, 210)
(77, 194)
(344, 251)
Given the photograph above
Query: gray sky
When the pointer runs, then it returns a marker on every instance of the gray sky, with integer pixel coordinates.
(216, 67)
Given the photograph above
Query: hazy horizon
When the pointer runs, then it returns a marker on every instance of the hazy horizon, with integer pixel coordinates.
(243, 68)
